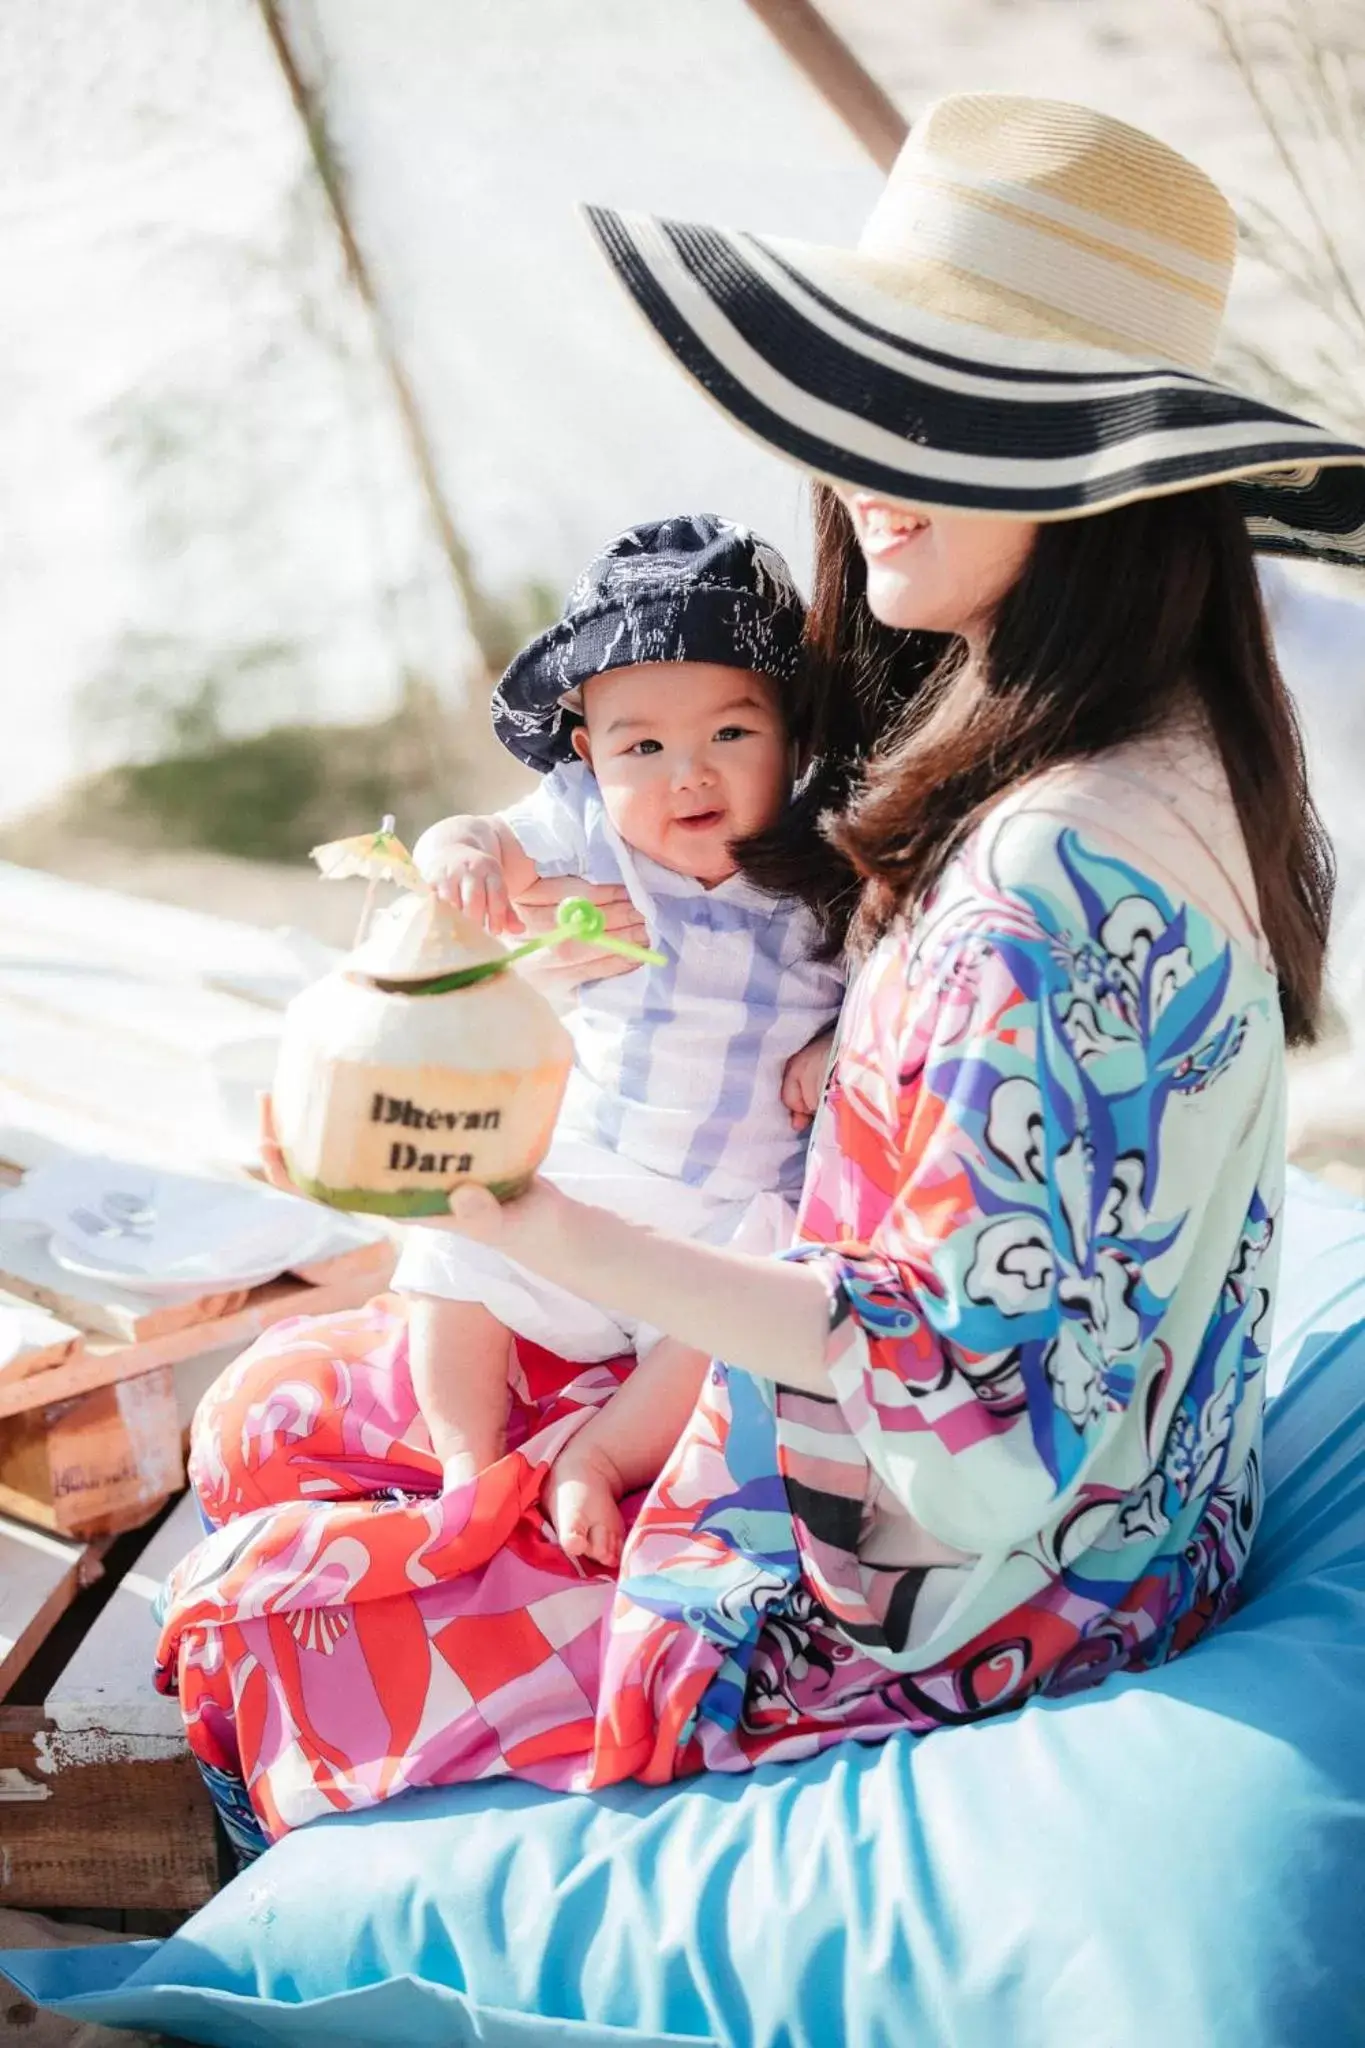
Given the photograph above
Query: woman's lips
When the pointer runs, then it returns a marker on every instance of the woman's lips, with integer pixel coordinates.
(885, 529)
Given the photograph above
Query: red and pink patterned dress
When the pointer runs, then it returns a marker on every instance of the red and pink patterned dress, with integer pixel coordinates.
(1042, 1190)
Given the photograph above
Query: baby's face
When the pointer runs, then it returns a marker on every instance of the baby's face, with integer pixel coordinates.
(689, 757)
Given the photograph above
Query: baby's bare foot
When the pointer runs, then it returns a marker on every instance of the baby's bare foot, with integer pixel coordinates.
(580, 1497)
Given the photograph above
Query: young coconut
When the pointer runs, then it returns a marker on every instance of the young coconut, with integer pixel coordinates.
(421, 1062)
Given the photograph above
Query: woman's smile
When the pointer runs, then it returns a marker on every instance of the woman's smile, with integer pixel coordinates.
(884, 529)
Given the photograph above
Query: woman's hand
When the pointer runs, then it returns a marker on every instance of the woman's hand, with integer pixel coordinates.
(529, 1228)
(558, 970)
(526, 1228)
(761, 1314)
(272, 1157)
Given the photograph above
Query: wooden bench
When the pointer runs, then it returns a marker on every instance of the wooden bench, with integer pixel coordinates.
(101, 1804)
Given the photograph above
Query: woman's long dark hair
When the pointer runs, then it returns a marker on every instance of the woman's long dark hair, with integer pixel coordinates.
(1116, 623)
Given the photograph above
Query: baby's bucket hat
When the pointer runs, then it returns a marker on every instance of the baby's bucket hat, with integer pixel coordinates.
(695, 588)
(1027, 326)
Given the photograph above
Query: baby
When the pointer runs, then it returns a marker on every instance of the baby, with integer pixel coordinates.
(654, 709)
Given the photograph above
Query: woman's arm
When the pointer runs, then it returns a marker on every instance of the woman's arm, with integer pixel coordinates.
(761, 1314)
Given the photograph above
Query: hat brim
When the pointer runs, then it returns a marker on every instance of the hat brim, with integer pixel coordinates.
(811, 352)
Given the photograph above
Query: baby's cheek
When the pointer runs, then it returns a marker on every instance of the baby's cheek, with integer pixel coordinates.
(636, 809)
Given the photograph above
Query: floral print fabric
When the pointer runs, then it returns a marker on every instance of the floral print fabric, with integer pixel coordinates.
(1042, 1193)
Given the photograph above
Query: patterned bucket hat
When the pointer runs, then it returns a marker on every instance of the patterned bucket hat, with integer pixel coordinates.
(1027, 326)
(696, 588)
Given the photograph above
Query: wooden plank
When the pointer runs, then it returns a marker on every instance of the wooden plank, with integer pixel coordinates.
(96, 1465)
(166, 1069)
(351, 1245)
(40, 1575)
(267, 966)
(363, 1259)
(135, 1100)
(101, 1803)
(100, 1364)
(128, 1025)
(42, 1338)
(129, 1002)
(28, 1270)
(83, 1824)
(106, 1688)
(130, 1066)
(36, 1127)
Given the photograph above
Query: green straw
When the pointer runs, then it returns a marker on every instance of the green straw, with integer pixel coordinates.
(575, 920)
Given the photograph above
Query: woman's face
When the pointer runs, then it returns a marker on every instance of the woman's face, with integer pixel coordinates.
(936, 572)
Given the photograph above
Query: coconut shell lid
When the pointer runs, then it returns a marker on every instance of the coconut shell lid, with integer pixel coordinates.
(419, 937)
(421, 940)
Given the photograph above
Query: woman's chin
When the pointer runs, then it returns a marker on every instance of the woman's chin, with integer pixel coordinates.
(900, 601)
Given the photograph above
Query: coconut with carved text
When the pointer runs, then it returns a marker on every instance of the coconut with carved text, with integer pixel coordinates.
(421, 1063)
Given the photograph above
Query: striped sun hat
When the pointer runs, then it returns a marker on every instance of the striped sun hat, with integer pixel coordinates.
(1027, 326)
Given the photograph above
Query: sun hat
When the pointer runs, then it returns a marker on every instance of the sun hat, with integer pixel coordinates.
(694, 588)
(1027, 325)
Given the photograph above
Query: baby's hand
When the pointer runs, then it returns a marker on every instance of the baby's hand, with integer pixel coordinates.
(580, 1498)
(469, 877)
(803, 1079)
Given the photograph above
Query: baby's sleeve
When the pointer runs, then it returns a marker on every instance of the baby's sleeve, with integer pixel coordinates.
(426, 1263)
(552, 825)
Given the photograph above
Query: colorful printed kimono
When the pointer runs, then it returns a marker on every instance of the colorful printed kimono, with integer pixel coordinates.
(1042, 1191)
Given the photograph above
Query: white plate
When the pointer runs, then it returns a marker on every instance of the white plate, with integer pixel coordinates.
(165, 1234)
(72, 1259)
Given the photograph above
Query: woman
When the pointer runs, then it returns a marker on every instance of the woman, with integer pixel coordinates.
(992, 1427)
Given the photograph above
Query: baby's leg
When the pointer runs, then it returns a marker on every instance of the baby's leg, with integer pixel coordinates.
(622, 1448)
(459, 1356)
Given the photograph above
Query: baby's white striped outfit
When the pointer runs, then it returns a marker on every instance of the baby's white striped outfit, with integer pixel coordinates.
(673, 1114)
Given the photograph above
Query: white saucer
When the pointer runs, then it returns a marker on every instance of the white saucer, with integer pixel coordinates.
(213, 1280)
(164, 1234)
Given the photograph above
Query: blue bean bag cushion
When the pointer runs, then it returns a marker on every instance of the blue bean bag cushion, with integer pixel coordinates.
(1176, 1859)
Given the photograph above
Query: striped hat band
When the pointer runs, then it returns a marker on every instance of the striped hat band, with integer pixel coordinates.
(1026, 325)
